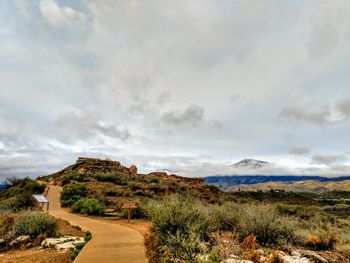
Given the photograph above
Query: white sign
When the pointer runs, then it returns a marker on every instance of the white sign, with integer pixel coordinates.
(40, 198)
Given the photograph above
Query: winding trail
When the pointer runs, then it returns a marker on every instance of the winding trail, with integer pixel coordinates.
(109, 243)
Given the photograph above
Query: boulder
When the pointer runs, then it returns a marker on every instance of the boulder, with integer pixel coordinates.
(62, 243)
(133, 169)
(314, 256)
(232, 260)
(20, 240)
(260, 252)
(295, 259)
(296, 254)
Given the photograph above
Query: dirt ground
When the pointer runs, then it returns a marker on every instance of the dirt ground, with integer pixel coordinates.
(141, 226)
(40, 255)
(36, 255)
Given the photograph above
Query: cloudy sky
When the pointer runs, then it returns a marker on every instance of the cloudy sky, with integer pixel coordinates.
(187, 86)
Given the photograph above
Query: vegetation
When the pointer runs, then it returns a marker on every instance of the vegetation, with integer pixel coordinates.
(34, 224)
(19, 195)
(72, 192)
(183, 228)
(79, 247)
(89, 206)
(194, 222)
(180, 226)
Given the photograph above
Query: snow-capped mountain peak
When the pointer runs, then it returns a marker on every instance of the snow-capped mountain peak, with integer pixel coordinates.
(250, 164)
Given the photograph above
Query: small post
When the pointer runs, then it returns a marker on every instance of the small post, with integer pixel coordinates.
(129, 214)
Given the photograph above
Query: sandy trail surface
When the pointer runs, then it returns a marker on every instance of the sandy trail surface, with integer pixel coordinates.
(109, 243)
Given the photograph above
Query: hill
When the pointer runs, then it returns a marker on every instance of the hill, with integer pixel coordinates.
(113, 183)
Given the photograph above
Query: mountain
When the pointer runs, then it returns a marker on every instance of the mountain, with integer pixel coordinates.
(255, 179)
(250, 164)
(228, 182)
(299, 186)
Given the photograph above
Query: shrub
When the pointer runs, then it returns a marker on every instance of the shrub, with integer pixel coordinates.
(261, 221)
(265, 224)
(275, 258)
(224, 217)
(253, 256)
(73, 176)
(19, 195)
(179, 225)
(249, 243)
(89, 206)
(152, 179)
(71, 193)
(212, 188)
(34, 224)
(6, 223)
(88, 236)
(18, 202)
(323, 241)
(111, 192)
(112, 178)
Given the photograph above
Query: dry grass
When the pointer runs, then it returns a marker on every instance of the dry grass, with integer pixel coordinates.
(250, 243)
(275, 258)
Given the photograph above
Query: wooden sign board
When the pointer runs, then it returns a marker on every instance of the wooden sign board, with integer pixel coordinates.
(129, 205)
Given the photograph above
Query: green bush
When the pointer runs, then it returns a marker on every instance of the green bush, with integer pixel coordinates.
(17, 202)
(19, 186)
(224, 217)
(71, 193)
(73, 176)
(265, 224)
(89, 206)
(88, 236)
(152, 179)
(19, 195)
(261, 221)
(119, 179)
(34, 224)
(180, 226)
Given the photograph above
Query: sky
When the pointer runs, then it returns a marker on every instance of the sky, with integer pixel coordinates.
(186, 86)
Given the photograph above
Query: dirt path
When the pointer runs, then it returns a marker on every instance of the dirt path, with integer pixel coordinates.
(110, 242)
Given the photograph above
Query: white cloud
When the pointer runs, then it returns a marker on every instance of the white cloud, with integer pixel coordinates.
(57, 15)
(118, 78)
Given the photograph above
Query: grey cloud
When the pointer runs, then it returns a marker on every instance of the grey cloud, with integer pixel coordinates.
(325, 116)
(192, 116)
(344, 107)
(321, 117)
(328, 158)
(113, 63)
(299, 150)
(72, 126)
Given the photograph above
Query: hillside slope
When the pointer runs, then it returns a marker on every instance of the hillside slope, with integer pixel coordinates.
(299, 186)
(114, 183)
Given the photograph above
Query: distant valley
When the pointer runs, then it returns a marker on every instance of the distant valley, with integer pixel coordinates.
(293, 183)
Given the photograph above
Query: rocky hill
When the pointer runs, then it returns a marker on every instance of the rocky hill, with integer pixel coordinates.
(114, 183)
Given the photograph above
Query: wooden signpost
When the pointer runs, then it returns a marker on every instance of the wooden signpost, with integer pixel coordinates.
(129, 206)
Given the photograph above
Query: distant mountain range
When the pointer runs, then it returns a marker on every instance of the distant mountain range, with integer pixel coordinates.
(265, 182)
